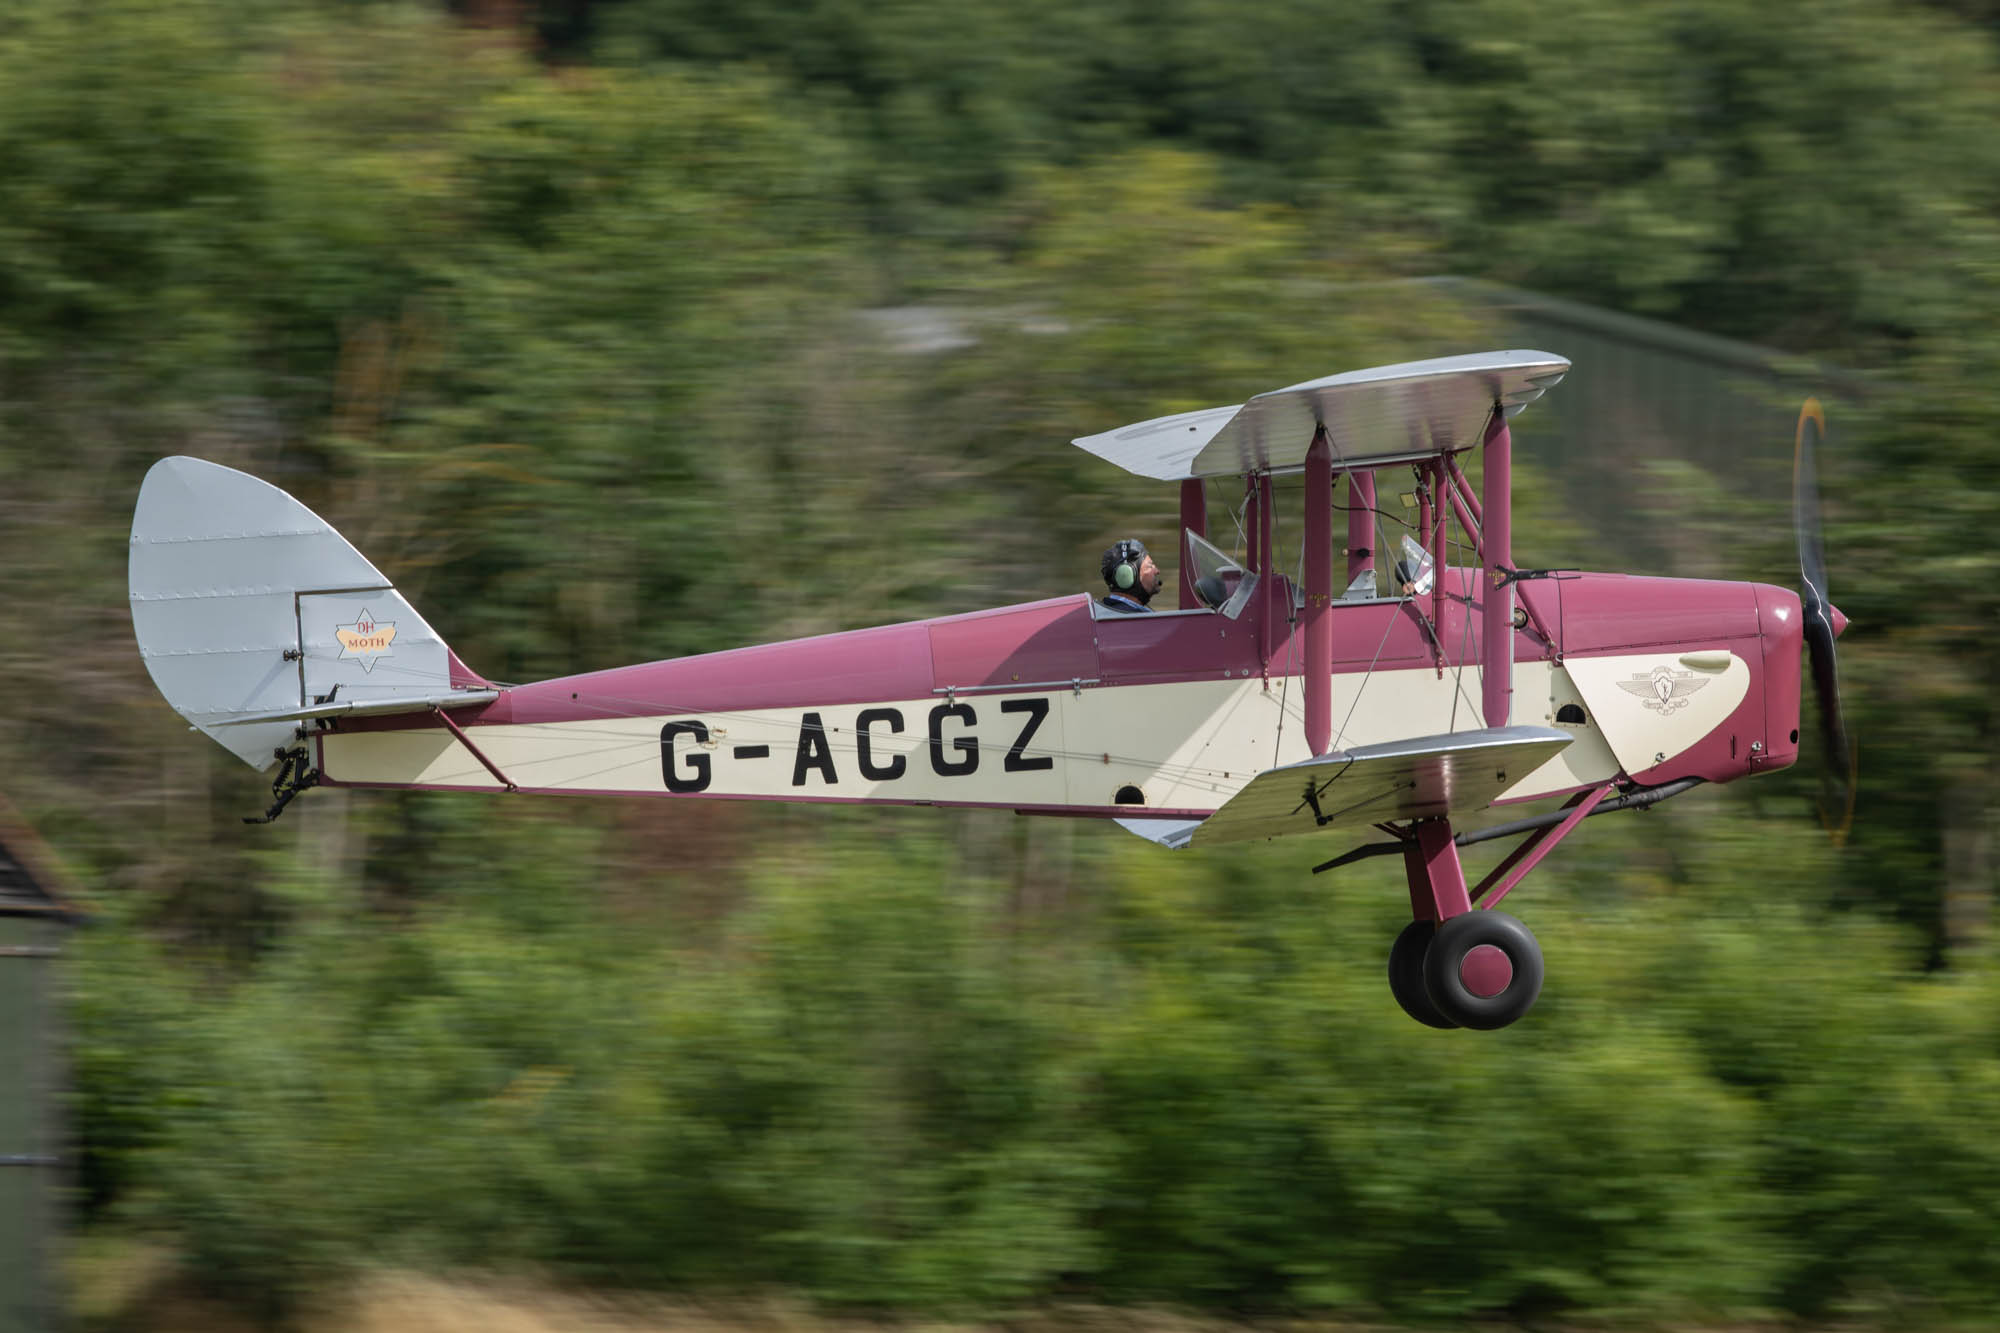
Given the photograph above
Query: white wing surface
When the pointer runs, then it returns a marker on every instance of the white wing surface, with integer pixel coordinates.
(1387, 414)
(1407, 779)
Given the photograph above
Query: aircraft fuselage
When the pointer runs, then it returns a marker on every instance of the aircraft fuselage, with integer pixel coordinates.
(1062, 707)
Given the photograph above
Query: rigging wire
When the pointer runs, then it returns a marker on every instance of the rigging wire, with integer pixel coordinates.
(1469, 551)
(1388, 624)
(1292, 624)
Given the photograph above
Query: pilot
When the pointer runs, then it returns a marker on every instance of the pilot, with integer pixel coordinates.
(1131, 576)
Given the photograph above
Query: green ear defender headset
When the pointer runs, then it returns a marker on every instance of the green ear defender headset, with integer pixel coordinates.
(1121, 563)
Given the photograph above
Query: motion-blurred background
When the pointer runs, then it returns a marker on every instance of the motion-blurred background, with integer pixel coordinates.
(638, 328)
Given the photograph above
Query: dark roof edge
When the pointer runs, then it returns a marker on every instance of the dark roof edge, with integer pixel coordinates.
(32, 854)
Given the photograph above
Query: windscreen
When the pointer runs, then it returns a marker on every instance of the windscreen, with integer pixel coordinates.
(1221, 583)
(1414, 574)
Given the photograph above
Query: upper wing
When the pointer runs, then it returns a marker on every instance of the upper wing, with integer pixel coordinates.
(1382, 415)
(1409, 779)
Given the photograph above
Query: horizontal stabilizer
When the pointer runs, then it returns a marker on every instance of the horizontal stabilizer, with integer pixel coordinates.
(367, 707)
(1426, 776)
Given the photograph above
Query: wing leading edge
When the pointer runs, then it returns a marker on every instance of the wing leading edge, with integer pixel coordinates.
(1386, 414)
(1406, 779)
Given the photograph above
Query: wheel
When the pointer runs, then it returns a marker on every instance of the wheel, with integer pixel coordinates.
(1406, 974)
(1483, 970)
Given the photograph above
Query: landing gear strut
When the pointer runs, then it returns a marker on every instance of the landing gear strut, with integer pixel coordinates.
(1454, 965)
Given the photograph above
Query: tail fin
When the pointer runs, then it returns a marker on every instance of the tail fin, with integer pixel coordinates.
(253, 614)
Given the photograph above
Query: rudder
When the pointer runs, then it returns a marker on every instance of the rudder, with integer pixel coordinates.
(252, 614)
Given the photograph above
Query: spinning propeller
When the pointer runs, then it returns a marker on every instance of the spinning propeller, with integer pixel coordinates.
(1823, 622)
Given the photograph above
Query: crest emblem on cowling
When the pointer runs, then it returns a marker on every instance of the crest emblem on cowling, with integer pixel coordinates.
(365, 641)
(1664, 690)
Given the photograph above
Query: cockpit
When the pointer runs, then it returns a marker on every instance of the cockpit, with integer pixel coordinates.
(1223, 586)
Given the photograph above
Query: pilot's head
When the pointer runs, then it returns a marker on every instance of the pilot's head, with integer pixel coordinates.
(1130, 570)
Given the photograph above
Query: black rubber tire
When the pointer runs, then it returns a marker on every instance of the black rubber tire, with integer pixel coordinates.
(1406, 974)
(1445, 982)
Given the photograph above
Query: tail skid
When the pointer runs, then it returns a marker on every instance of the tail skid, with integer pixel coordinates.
(253, 615)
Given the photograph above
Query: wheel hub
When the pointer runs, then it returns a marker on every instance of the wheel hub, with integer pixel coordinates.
(1486, 970)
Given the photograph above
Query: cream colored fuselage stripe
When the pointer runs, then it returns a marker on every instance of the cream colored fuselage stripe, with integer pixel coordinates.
(1188, 745)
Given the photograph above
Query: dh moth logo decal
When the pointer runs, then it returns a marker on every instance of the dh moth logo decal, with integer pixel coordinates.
(366, 641)
(1668, 689)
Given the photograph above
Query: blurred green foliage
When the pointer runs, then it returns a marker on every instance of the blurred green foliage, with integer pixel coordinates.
(700, 326)
(885, 1079)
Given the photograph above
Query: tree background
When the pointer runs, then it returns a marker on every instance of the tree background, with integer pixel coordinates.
(641, 328)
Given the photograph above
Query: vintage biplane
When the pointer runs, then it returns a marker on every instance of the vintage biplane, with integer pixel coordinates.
(1412, 699)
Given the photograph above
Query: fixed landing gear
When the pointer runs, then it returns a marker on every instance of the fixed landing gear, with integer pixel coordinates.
(1406, 974)
(1455, 965)
(1483, 970)
(1479, 970)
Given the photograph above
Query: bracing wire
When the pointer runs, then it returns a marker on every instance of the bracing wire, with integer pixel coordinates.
(1465, 550)
(1291, 638)
(1388, 624)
